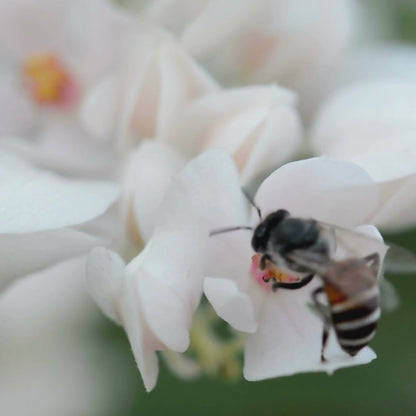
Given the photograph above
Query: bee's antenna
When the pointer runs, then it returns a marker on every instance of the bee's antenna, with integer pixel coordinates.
(252, 203)
(226, 230)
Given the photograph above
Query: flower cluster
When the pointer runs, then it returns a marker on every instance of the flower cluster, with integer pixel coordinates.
(176, 111)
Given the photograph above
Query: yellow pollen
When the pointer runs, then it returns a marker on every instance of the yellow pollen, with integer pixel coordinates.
(279, 275)
(47, 79)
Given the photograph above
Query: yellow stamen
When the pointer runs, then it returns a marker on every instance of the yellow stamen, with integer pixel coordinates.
(47, 79)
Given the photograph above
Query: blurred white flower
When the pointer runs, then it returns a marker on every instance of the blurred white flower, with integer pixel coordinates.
(148, 175)
(37, 214)
(48, 352)
(155, 295)
(284, 334)
(374, 125)
(258, 41)
(363, 63)
(142, 97)
(162, 95)
(50, 54)
(258, 126)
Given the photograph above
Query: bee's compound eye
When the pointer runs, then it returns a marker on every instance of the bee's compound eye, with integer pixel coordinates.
(259, 240)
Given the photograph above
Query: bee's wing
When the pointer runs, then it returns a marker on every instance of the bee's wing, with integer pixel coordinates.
(355, 244)
(390, 299)
(399, 260)
(352, 243)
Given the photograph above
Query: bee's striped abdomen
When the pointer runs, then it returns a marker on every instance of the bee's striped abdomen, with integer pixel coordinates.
(355, 317)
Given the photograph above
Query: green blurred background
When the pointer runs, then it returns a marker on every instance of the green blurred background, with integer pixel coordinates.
(387, 386)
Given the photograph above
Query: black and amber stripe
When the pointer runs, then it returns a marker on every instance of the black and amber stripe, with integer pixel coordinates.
(355, 319)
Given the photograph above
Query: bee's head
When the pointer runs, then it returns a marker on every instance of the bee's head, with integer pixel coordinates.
(262, 231)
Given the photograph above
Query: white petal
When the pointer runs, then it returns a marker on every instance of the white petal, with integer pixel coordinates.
(398, 212)
(63, 148)
(43, 30)
(279, 140)
(105, 274)
(181, 80)
(28, 253)
(208, 188)
(100, 107)
(12, 166)
(205, 196)
(381, 62)
(328, 190)
(288, 341)
(361, 116)
(390, 159)
(230, 304)
(200, 39)
(159, 79)
(18, 114)
(209, 117)
(168, 275)
(149, 173)
(97, 32)
(171, 268)
(42, 202)
(144, 355)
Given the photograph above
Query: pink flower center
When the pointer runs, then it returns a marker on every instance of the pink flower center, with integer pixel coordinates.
(48, 81)
(265, 277)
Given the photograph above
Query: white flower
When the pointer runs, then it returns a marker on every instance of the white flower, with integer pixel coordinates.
(46, 354)
(156, 294)
(148, 175)
(373, 124)
(50, 54)
(284, 334)
(257, 126)
(363, 63)
(37, 213)
(282, 40)
(141, 99)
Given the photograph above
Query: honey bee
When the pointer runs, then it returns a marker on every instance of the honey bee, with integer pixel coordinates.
(350, 284)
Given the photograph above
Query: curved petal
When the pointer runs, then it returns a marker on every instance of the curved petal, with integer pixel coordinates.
(99, 109)
(39, 19)
(200, 39)
(230, 304)
(398, 211)
(64, 147)
(18, 114)
(28, 253)
(389, 160)
(280, 139)
(208, 189)
(104, 274)
(145, 356)
(42, 201)
(148, 176)
(360, 116)
(289, 338)
(168, 313)
(12, 166)
(160, 79)
(170, 270)
(328, 190)
(168, 276)
(209, 120)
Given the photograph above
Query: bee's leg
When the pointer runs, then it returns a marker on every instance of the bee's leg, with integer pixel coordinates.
(297, 285)
(264, 258)
(374, 262)
(325, 317)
